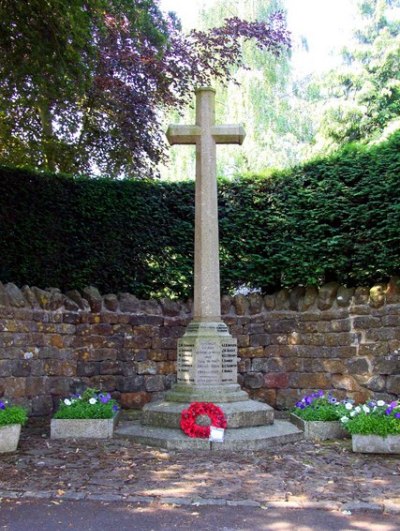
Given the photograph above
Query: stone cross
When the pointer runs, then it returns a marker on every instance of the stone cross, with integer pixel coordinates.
(207, 353)
(205, 135)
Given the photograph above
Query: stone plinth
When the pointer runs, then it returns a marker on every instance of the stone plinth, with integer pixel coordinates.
(207, 365)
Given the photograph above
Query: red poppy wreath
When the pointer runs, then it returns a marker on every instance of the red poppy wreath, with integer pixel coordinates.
(189, 416)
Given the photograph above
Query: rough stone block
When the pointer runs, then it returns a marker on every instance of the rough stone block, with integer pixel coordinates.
(134, 400)
(393, 385)
(253, 380)
(276, 380)
(154, 383)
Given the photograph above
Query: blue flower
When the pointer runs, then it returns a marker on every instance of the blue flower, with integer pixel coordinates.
(2, 405)
(115, 408)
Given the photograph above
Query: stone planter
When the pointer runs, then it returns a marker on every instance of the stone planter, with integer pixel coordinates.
(317, 430)
(79, 428)
(375, 444)
(9, 437)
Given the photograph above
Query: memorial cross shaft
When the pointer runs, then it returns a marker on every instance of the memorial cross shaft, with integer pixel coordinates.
(205, 135)
(207, 353)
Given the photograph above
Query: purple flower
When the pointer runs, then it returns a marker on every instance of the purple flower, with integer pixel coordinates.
(115, 408)
(2, 405)
(397, 415)
(105, 398)
(389, 411)
(332, 399)
(320, 393)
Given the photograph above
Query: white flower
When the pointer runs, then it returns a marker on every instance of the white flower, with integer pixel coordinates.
(353, 414)
(344, 419)
(380, 403)
(366, 409)
(92, 401)
(67, 402)
(348, 406)
(357, 409)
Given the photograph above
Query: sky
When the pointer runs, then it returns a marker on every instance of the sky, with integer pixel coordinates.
(326, 24)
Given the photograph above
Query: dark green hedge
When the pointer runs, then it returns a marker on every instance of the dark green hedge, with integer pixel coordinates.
(333, 219)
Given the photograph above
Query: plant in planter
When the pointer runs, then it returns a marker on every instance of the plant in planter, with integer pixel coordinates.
(11, 420)
(92, 414)
(319, 414)
(374, 427)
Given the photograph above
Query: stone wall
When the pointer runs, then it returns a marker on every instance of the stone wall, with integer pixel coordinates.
(53, 344)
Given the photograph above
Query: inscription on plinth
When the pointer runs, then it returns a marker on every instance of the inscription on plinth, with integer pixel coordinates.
(207, 361)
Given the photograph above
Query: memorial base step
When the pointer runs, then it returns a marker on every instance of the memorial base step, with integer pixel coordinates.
(242, 414)
(239, 439)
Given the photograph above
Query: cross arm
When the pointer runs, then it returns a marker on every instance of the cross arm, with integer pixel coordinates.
(183, 134)
(228, 134)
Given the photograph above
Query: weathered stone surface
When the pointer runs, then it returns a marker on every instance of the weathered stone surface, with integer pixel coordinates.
(310, 297)
(377, 295)
(154, 383)
(92, 295)
(15, 296)
(358, 366)
(4, 299)
(296, 298)
(255, 301)
(361, 295)
(134, 400)
(327, 295)
(254, 381)
(282, 299)
(110, 302)
(128, 303)
(345, 382)
(170, 308)
(276, 380)
(344, 296)
(226, 305)
(393, 384)
(376, 383)
(393, 290)
(388, 364)
(269, 302)
(241, 304)
(150, 307)
(75, 296)
(70, 305)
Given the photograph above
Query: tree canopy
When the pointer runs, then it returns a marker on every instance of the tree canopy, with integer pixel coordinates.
(362, 97)
(82, 82)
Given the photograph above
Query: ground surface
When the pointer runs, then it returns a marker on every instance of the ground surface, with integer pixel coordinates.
(304, 475)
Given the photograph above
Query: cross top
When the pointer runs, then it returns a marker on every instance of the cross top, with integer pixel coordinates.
(205, 134)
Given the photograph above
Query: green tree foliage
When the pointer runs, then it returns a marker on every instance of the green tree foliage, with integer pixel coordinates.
(332, 219)
(82, 83)
(363, 96)
(260, 95)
